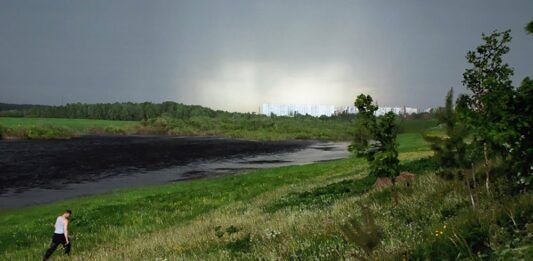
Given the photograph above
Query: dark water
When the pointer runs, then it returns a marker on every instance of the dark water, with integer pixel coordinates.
(37, 172)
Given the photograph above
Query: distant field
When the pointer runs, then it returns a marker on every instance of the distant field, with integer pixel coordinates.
(412, 142)
(79, 125)
(416, 125)
(253, 129)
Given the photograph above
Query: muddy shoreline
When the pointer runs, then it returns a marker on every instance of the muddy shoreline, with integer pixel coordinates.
(49, 164)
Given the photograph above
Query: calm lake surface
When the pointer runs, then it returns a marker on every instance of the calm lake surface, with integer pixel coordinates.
(38, 172)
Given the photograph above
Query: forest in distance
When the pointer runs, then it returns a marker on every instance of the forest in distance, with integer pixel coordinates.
(171, 118)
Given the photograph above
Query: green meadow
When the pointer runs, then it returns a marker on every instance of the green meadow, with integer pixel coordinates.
(81, 125)
(253, 127)
(56, 128)
(286, 213)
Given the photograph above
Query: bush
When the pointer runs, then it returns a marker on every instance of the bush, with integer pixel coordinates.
(38, 132)
(503, 230)
(420, 166)
(47, 132)
(366, 235)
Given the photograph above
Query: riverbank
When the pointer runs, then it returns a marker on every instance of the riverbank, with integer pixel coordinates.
(55, 128)
(104, 220)
(48, 171)
(48, 164)
(254, 127)
(294, 212)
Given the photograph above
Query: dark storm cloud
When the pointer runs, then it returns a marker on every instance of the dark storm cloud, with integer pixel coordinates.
(237, 54)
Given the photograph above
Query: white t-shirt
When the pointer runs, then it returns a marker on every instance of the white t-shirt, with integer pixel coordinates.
(60, 225)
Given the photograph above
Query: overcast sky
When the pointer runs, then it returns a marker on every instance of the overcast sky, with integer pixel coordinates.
(235, 55)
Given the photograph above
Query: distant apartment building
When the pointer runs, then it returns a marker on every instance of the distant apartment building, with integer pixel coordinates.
(315, 110)
(325, 110)
(410, 110)
(347, 109)
(380, 111)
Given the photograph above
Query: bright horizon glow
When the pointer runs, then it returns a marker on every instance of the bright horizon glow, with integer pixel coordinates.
(235, 55)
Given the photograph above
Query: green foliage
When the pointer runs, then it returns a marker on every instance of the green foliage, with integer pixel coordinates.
(375, 138)
(323, 196)
(420, 166)
(521, 144)
(449, 149)
(498, 114)
(384, 162)
(365, 126)
(77, 125)
(416, 125)
(234, 243)
(489, 80)
(253, 126)
(242, 244)
(529, 27)
(366, 235)
(38, 132)
(47, 128)
(503, 232)
(219, 232)
(127, 111)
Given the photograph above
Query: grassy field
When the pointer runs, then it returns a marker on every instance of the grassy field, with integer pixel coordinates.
(53, 128)
(295, 212)
(258, 128)
(79, 125)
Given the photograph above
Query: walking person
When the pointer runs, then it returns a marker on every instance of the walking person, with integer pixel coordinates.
(60, 235)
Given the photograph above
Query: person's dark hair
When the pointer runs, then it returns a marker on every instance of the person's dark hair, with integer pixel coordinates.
(68, 211)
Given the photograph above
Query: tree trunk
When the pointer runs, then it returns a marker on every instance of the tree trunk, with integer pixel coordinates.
(395, 193)
(487, 171)
(472, 199)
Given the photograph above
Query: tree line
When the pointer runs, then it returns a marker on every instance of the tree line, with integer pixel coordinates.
(130, 111)
(127, 111)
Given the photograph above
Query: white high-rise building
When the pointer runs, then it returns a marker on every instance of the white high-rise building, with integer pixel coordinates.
(410, 110)
(315, 110)
(382, 110)
(347, 109)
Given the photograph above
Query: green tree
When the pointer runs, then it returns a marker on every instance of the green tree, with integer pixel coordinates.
(489, 80)
(365, 127)
(385, 162)
(375, 139)
(520, 146)
(450, 148)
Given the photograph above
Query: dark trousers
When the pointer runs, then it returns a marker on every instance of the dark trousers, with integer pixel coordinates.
(56, 240)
